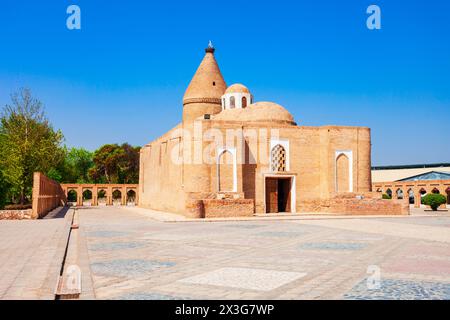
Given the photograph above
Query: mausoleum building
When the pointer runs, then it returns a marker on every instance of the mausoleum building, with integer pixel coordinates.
(235, 156)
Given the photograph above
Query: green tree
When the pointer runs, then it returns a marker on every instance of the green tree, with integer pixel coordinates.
(74, 168)
(434, 200)
(116, 164)
(28, 143)
(4, 190)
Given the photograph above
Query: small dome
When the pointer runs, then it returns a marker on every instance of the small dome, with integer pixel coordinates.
(257, 112)
(237, 88)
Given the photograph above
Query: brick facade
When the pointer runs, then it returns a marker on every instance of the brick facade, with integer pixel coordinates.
(317, 161)
(47, 195)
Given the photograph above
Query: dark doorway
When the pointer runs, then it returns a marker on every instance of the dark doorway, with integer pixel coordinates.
(278, 195)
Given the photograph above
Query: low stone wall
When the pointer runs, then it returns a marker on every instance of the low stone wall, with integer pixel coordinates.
(369, 207)
(219, 208)
(47, 195)
(369, 203)
(16, 214)
(225, 208)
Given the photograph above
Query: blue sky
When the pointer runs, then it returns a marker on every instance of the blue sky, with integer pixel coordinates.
(121, 77)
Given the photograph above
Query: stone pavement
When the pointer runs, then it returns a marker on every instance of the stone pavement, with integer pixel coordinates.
(31, 254)
(130, 255)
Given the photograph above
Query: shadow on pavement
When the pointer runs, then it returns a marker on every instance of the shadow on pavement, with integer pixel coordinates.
(57, 213)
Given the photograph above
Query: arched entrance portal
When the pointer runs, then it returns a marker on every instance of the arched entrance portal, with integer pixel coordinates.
(411, 196)
(389, 193)
(422, 194)
(72, 197)
(102, 198)
(131, 198)
(87, 197)
(117, 197)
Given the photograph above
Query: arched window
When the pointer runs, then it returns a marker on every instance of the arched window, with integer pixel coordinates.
(131, 197)
(389, 193)
(411, 196)
(117, 197)
(232, 102)
(278, 156)
(399, 194)
(224, 103)
(244, 102)
(72, 196)
(101, 197)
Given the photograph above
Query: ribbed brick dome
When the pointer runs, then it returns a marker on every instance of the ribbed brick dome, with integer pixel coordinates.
(207, 85)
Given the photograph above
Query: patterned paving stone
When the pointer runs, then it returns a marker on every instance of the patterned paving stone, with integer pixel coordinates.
(149, 296)
(332, 246)
(426, 221)
(243, 260)
(244, 226)
(393, 289)
(245, 278)
(116, 246)
(282, 234)
(128, 267)
(107, 234)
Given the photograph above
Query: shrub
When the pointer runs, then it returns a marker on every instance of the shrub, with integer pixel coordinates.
(434, 200)
(386, 196)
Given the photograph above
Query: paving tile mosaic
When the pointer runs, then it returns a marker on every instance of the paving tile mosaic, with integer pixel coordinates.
(281, 234)
(106, 246)
(148, 296)
(244, 226)
(393, 289)
(334, 253)
(107, 234)
(332, 246)
(128, 267)
(245, 278)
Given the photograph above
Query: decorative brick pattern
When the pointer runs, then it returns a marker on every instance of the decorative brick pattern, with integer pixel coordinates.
(278, 159)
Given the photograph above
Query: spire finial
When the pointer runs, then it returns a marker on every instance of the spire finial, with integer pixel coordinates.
(210, 47)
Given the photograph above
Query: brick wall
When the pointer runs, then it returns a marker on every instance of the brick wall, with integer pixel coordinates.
(224, 208)
(368, 203)
(47, 195)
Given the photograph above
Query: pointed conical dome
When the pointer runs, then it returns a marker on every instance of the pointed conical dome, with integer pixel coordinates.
(206, 87)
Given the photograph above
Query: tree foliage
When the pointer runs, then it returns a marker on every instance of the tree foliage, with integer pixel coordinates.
(74, 168)
(28, 143)
(115, 163)
(434, 200)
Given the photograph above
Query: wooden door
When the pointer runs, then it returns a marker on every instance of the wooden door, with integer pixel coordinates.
(271, 195)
